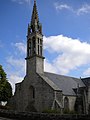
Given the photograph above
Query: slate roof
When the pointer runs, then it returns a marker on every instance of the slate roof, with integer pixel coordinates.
(86, 81)
(50, 82)
(61, 82)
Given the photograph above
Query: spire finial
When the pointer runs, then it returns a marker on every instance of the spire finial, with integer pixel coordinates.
(34, 1)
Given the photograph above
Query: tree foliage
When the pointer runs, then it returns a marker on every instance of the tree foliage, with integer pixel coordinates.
(5, 87)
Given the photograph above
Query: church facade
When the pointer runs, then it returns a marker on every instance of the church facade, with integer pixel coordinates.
(40, 91)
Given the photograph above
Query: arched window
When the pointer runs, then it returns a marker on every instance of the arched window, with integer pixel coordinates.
(29, 47)
(66, 103)
(32, 92)
(38, 46)
(34, 45)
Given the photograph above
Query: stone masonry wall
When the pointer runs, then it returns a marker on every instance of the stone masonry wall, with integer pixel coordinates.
(42, 101)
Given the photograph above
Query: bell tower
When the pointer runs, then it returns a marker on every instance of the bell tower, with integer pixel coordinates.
(34, 59)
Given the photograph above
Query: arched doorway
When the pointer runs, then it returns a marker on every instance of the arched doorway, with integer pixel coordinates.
(66, 103)
(31, 100)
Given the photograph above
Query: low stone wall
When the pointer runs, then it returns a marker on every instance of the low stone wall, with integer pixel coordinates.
(40, 116)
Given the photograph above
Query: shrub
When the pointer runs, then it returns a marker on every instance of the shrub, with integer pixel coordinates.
(67, 111)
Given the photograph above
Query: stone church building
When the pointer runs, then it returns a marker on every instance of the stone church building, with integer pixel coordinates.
(40, 91)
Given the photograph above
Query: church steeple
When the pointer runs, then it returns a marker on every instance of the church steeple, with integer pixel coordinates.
(35, 42)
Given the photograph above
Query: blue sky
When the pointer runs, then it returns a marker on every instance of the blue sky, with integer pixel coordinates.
(66, 30)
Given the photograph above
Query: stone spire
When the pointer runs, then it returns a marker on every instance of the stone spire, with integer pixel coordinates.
(35, 25)
(34, 14)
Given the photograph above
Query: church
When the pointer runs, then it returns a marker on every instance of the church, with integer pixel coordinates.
(39, 90)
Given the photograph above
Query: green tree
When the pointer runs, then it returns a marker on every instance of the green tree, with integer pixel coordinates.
(5, 87)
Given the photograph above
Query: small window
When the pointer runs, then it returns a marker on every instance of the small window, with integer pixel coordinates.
(38, 49)
(41, 50)
(34, 46)
(32, 92)
(38, 40)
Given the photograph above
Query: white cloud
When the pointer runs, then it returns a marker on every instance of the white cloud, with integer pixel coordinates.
(16, 66)
(21, 47)
(13, 79)
(61, 43)
(84, 9)
(14, 62)
(49, 67)
(15, 70)
(22, 1)
(71, 53)
(62, 6)
(87, 72)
